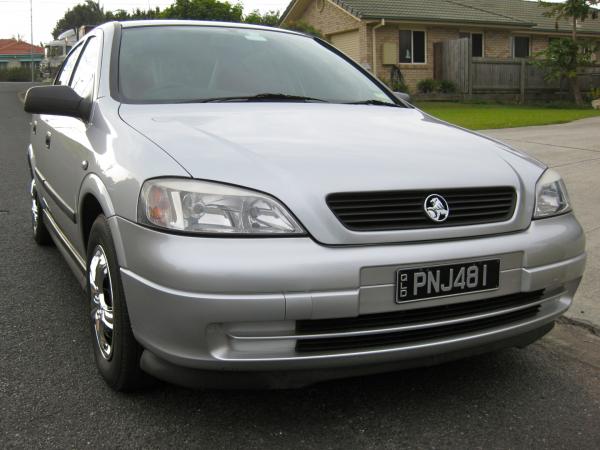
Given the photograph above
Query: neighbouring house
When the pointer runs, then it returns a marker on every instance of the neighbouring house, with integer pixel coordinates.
(15, 53)
(381, 34)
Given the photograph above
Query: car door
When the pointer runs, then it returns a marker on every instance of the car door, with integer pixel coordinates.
(66, 139)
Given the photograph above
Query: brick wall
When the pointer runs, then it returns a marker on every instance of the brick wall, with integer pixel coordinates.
(498, 44)
(539, 43)
(412, 72)
(328, 18)
(364, 32)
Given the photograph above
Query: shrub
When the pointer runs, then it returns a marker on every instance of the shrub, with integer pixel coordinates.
(448, 87)
(427, 86)
(595, 93)
(400, 87)
(15, 74)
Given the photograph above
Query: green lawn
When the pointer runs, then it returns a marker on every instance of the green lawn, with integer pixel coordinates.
(488, 116)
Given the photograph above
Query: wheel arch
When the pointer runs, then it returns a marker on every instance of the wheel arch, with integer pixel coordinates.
(93, 201)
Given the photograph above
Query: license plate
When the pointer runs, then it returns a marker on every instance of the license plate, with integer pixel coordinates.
(440, 281)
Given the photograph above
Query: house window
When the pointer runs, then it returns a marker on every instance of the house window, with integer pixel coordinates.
(412, 47)
(521, 46)
(476, 43)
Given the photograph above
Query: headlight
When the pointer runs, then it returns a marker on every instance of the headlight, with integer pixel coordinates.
(202, 207)
(551, 196)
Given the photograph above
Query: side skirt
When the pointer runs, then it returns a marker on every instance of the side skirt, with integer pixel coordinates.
(74, 260)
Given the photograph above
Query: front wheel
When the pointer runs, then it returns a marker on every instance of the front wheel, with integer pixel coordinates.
(116, 351)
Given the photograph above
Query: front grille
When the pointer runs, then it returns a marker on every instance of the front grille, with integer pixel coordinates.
(399, 210)
(415, 316)
(411, 336)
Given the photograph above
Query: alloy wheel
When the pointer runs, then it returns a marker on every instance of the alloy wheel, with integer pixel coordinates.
(101, 291)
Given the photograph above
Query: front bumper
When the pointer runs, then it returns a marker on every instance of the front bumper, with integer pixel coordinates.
(232, 304)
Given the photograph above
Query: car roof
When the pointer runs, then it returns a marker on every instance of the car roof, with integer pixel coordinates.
(205, 23)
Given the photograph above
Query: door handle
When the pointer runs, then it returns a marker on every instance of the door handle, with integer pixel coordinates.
(48, 139)
(34, 127)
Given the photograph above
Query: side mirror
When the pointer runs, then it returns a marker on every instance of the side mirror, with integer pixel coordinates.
(57, 100)
(403, 96)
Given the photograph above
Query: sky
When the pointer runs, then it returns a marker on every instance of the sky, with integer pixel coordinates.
(15, 17)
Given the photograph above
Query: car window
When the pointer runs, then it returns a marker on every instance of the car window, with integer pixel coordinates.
(190, 63)
(83, 79)
(68, 65)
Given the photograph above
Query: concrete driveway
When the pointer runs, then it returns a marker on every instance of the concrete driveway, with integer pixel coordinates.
(574, 150)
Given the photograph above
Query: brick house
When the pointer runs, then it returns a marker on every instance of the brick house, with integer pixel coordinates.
(15, 53)
(381, 33)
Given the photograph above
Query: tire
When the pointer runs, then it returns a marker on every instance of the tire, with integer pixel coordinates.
(116, 351)
(41, 235)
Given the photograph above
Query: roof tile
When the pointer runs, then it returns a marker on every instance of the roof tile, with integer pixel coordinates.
(520, 13)
(14, 47)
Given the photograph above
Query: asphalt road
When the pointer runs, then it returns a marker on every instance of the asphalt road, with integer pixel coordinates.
(544, 396)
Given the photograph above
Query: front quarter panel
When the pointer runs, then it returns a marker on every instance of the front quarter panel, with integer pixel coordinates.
(121, 160)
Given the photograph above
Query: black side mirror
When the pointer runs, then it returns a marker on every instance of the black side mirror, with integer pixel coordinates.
(403, 96)
(57, 100)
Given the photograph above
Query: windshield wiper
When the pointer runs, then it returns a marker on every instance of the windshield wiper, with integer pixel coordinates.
(257, 98)
(374, 102)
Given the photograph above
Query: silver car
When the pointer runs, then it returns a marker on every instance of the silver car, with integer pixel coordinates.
(247, 206)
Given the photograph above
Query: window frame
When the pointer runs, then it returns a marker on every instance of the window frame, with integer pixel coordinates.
(514, 46)
(471, 33)
(412, 46)
(83, 44)
(62, 66)
(96, 74)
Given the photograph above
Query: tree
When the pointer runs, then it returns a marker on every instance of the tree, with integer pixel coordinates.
(88, 13)
(562, 57)
(204, 10)
(91, 13)
(137, 14)
(270, 18)
(140, 14)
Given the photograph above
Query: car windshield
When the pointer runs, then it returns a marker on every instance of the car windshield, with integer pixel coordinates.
(172, 64)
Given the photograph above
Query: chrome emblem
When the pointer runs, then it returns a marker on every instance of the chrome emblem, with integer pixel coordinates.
(436, 208)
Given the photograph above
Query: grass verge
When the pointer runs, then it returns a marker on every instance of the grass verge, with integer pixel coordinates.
(489, 116)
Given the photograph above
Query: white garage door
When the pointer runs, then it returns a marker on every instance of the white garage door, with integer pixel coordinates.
(347, 42)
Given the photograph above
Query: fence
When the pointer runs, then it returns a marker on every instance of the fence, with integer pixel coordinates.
(453, 61)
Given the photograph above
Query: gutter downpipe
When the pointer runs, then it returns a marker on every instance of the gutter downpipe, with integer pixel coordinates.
(373, 38)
